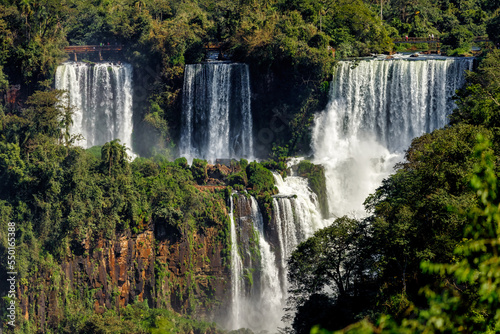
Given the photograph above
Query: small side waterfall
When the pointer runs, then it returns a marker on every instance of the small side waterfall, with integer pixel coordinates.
(259, 252)
(296, 217)
(259, 276)
(376, 108)
(102, 96)
(271, 298)
(236, 274)
(216, 114)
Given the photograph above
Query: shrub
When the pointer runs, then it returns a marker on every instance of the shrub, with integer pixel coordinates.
(316, 178)
(260, 179)
(181, 162)
(199, 171)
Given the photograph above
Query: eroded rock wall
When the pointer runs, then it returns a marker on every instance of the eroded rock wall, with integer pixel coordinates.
(187, 274)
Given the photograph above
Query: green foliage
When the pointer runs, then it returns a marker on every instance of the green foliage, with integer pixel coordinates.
(335, 259)
(114, 156)
(182, 162)
(479, 100)
(95, 151)
(457, 37)
(243, 164)
(135, 318)
(467, 298)
(455, 22)
(260, 179)
(316, 262)
(199, 170)
(239, 178)
(492, 29)
(315, 175)
(279, 166)
(414, 216)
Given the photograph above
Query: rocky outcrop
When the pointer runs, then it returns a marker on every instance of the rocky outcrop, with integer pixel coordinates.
(187, 274)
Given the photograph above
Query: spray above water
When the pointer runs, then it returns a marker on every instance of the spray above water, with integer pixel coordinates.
(376, 108)
(101, 95)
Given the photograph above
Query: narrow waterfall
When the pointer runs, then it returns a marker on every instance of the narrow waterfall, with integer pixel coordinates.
(216, 114)
(256, 281)
(270, 301)
(236, 274)
(102, 96)
(376, 108)
(296, 217)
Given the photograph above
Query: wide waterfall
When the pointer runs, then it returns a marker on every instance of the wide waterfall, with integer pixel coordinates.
(102, 96)
(376, 108)
(216, 114)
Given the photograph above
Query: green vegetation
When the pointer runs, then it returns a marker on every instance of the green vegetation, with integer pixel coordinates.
(136, 318)
(315, 175)
(260, 179)
(287, 42)
(455, 23)
(70, 203)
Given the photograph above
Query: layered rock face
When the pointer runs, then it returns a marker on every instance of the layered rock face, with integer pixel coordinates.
(168, 271)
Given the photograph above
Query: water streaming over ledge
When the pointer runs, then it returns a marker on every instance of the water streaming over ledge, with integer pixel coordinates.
(259, 253)
(376, 108)
(102, 96)
(216, 113)
(236, 274)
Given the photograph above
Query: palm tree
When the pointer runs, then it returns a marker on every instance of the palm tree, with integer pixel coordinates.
(113, 153)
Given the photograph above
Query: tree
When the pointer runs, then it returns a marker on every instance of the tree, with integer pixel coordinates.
(492, 28)
(479, 100)
(412, 217)
(114, 155)
(467, 301)
(333, 259)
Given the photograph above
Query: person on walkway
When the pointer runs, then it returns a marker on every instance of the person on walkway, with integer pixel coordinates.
(406, 38)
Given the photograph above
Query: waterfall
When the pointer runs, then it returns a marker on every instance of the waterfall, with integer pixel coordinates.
(376, 108)
(271, 298)
(216, 114)
(257, 303)
(236, 273)
(296, 217)
(102, 96)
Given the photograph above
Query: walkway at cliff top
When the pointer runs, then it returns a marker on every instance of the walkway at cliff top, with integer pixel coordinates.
(433, 40)
(89, 49)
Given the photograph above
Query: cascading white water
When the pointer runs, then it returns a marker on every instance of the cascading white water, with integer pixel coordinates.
(216, 114)
(271, 299)
(236, 275)
(375, 111)
(102, 96)
(296, 213)
(376, 108)
(297, 216)
(258, 304)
